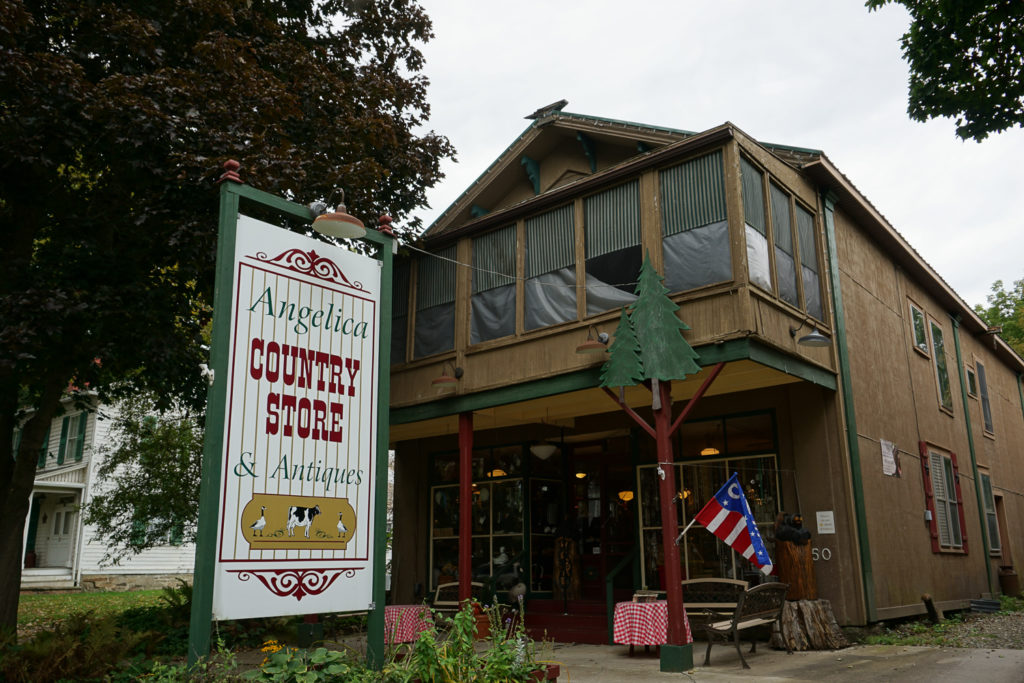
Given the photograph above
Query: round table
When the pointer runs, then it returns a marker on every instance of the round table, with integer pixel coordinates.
(404, 623)
(644, 623)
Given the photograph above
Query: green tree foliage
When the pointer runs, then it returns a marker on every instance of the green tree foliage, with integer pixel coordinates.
(115, 119)
(663, 351)
(1006, 309)
(623, 367)
(966, 61)
(146, 491)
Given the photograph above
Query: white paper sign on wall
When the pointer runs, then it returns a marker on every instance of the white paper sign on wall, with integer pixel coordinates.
(826, 522)
(295, 531)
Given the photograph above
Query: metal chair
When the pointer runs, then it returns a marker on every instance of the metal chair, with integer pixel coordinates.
(756, 607)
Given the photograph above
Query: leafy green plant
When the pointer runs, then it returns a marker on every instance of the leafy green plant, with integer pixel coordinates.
(288, 665)
(1008, 603)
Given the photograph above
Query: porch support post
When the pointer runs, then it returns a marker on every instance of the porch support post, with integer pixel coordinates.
(669, 520)
(465, 505)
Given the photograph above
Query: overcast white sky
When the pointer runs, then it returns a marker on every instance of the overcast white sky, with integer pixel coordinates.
(824, 75)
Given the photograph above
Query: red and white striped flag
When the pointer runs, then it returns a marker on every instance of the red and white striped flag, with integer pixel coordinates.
(728, 516)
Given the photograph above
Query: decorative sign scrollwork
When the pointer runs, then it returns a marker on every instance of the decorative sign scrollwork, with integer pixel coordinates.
(297, 583)
(311, 263)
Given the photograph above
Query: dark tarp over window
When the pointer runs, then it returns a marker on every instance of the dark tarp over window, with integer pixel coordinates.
(693, 220)
(782, 234)
(753, 214)
(435, 303)
(612, 235)
(493, 306)
(550, 269)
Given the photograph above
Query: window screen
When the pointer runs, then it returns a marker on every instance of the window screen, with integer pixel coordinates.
(986, 406)
(809, 263)
(941, 369)
(435, 303)
(550, 287)
(693, 220)
(782, 235)
(756, 234)
(399, 310)
(493, 306)
(612, 236)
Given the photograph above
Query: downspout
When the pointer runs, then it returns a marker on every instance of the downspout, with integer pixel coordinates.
(970, 444)
(843, 358)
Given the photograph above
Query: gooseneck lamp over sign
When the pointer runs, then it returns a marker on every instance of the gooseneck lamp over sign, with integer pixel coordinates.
(335, 222)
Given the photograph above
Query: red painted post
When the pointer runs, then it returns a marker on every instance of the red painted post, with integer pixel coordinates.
(669, 521)
(465, 505)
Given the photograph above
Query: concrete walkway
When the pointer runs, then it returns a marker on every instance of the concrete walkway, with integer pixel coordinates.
(860, 664)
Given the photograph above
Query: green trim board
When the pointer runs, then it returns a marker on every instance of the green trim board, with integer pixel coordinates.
(970, 444)
(738, 349)
(1020, 392)
(843, 358)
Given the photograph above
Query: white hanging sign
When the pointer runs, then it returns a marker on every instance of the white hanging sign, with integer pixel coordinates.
(295, 530)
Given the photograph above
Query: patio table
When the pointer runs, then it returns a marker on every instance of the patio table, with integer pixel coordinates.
(644, 623)
(404, 623)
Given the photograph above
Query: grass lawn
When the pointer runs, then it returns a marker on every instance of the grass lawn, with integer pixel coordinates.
(42, 610)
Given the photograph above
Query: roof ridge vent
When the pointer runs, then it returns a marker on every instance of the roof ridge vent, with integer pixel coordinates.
(548, 110)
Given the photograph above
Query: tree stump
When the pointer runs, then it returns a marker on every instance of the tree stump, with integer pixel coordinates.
(808, 625)
(797, 569)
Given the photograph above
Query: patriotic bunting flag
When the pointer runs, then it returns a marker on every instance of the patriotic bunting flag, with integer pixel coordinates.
(728, 516)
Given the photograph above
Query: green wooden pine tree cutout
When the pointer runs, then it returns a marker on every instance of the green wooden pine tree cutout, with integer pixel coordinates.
(623, 367)
(664, 354)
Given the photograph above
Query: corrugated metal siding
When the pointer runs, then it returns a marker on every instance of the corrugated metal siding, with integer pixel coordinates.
(805, 233)
(494, 259)
(781, 228)
(612, 219)
(692, 194)
(400, 289)
(753, 196)
(549, 241)
(435, 281)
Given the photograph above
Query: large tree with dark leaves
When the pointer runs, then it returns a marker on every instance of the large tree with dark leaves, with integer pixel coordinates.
(115, 118)
(966, 62)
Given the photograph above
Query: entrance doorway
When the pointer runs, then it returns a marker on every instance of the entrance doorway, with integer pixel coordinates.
(56, 533)
(602, 507)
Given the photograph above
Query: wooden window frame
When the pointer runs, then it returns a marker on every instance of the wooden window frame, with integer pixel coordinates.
(924, 350)
(932, 326)
(987, 419)
(972, 381)
(995, 546)
(926, 452)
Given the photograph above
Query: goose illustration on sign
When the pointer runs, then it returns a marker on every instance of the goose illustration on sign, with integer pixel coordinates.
(277, 518)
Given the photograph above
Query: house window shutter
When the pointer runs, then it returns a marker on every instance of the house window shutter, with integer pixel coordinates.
(935, 466)
(62, 449)
(44, 449)
(83, 420)
(929, 496)
(959, 502)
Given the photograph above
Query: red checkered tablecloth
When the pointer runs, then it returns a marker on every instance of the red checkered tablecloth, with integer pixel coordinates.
(645, 623)
(404, 623)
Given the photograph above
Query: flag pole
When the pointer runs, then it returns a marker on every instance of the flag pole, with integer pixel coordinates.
(683, 532)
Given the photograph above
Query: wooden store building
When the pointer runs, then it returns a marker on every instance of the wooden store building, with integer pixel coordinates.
(858, 389)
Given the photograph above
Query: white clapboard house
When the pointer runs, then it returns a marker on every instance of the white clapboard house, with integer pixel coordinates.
(59, 550)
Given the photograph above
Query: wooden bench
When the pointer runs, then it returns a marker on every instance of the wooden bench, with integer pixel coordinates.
(446, 597)
(710, 600)
(758, 606)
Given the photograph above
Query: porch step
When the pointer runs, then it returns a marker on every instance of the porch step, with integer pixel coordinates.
(48, 578)
(586, 621)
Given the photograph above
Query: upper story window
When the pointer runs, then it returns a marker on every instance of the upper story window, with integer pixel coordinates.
(493, 306)
(944, 499)
(550, 287)
(941, 368)
(611, 222)
(782, 235)
(435, 304)
(809, 263)
(693, 224)
(919, 329)
(72, 437)
(399, 309)
(986, 405)
(992, 523)
(972, 381)
(758, 266)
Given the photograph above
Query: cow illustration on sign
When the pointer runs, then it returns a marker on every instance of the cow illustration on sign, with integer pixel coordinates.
(300, 516)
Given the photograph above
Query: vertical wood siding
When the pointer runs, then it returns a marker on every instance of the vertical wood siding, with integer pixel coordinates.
(692, 194)
(612, 219)
(435, 281)
(549, 241)
(494, 259)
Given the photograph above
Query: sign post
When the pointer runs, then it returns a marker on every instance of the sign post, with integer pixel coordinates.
(292, 505)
